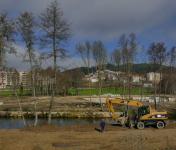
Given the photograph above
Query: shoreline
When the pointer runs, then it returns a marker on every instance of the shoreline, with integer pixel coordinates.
(91, 115)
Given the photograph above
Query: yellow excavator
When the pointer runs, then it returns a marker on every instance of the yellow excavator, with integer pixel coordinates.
(145, 115)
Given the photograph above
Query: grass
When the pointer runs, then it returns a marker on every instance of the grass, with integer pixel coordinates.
(7, 92)
(112, 90)
(85, 91)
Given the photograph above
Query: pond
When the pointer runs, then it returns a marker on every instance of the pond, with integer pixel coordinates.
(18, 123)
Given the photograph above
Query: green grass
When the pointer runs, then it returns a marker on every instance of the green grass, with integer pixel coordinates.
(6, 93)
(95, 91)
(84, 91)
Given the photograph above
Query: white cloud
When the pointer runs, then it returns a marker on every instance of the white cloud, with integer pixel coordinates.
(17, 61)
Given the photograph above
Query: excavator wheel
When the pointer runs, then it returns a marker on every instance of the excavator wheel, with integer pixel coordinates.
(140, 125)
(160, 124)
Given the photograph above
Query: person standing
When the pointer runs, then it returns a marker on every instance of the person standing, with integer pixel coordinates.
(102, 125)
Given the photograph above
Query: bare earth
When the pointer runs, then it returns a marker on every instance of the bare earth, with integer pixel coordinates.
(87, 138)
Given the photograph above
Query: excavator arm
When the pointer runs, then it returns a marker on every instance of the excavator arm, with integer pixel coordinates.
(117, 101)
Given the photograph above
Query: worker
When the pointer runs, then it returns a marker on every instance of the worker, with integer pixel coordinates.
(132, 119)
(102, 125)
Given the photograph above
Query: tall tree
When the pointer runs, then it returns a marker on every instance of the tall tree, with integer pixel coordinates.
(100, 57)
(172, 62)
(157, 56)
(26, 26)
(161, 61)
(55, 30)
(84, 50)
(116, 58)
(128, 47)
(7, 31)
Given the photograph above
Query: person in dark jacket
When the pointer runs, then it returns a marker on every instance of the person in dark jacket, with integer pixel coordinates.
(102, 125)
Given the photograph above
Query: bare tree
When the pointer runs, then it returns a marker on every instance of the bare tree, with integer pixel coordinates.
(161, 60)
(15, 85)
(116, 59)
(100, 57)
(7, 31)
(157, 56)
(85, 52)
(26, 27)
(128, 47)
(172, 61)
(55, 30)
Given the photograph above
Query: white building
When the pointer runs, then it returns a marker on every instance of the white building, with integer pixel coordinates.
(112, 75)
(3, 79)
(153, 77)
(137, 78)
(7, 78)
(23, 78)
(106, 74)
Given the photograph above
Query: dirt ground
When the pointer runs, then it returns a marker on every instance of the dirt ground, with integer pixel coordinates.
(69, 103)
(88, 138)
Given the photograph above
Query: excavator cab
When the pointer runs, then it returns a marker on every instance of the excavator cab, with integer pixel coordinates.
(143, 110)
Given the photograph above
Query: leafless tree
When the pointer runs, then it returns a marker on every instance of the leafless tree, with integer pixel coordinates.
(26, 27)
(7, 31)
(55, 30)
(172, 61)
(128, 47)
(15, 86)
(85, 52)
(116, 58)
(161, 60)
(157, 56)
(100, 57)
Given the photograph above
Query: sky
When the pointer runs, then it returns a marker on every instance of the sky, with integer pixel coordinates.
(106, 20)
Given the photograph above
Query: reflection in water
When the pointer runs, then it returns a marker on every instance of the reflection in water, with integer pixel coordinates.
(18, 123)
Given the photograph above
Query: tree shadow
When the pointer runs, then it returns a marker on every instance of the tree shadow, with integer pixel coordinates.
(97, 129)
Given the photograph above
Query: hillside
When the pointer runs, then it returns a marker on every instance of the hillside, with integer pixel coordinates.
(136, 68)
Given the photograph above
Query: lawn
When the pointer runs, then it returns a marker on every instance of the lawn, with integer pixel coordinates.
(85, 91)
(111, 90)
(8, 92)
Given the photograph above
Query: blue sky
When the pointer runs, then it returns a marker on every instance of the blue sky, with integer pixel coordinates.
(106, 20)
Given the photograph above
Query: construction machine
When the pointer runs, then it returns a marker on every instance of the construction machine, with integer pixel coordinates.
(145, 114)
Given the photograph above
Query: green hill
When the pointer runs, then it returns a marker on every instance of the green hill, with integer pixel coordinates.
(136, 68)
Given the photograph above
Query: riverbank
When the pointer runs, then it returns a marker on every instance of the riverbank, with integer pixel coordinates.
(71, 114)
(85, 137)
(63, 107)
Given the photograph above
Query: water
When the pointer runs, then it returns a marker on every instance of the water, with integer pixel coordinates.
(18, 123)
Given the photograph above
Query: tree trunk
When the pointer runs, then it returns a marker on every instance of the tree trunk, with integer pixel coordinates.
(55, 69)
(100, 89)
(155, 90)
(19, 104)
(142, 91)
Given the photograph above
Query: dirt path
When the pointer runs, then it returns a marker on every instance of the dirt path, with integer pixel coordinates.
(87, 138)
